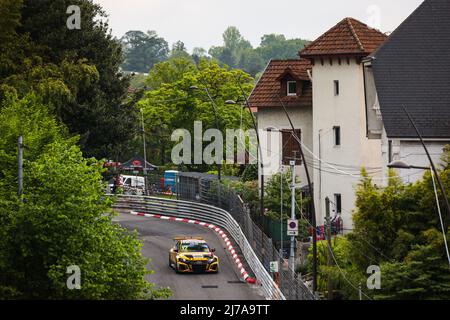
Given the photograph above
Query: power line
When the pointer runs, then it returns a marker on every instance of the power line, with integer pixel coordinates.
(314, 228)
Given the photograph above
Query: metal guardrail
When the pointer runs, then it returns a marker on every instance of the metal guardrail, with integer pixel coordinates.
(210, 192)
(209, 214)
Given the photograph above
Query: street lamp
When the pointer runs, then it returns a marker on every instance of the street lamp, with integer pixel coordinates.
(219, 164)
(433, 167)
(145, 153)
(434, 173)
(261, 198)
(255, 127)
(399, 164)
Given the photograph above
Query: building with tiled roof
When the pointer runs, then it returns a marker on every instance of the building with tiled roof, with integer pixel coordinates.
(340, 145)
(271, 87)
(283, 82)
(349, 38)
(324, 95)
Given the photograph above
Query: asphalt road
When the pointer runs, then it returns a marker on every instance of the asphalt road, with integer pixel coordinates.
(158, 239)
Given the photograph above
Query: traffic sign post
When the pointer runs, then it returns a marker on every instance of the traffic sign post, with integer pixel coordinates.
(274, 266)
(292, 227)
(292, 223)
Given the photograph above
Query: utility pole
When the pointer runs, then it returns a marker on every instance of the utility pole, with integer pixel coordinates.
(292, 254)
(311, 191)
(261, 159)
(216, 117)
(328, 219)
(360, 291)
(20, 163)
(281, 226)
(145, 153)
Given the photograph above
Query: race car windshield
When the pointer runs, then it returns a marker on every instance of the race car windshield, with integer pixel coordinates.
(194, 247)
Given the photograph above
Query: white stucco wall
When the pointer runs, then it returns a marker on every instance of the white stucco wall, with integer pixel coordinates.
(346, 110)
(271, 142)
(412, 152)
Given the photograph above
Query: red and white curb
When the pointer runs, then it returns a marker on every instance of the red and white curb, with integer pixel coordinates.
(219, 231)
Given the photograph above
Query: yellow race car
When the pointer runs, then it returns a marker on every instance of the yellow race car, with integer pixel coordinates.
(193, 255)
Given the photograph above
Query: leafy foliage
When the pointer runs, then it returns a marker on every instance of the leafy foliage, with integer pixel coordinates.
(143, 50)
(79, 83)
(174, 104)
(397, 228)
(273, 201)
(62, 219)
(250, 173)
(236, 51)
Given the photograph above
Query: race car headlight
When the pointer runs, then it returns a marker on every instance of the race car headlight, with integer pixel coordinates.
(183, 260)
(212, 260)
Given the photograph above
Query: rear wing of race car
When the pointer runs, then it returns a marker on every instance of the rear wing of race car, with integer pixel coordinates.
(179, 238)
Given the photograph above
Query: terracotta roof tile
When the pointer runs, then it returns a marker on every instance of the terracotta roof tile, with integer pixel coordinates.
(268, 89)
(348, 37)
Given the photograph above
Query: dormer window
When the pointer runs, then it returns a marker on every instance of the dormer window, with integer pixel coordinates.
(291, 88)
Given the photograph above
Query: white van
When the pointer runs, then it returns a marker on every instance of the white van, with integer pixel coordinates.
(134, 185)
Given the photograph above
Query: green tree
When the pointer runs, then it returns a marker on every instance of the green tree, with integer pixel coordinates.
(250, 173)
(273, 201)
(62, 219)
(179, 50)
(422, 275)
(198, 53)
(79, 82)
(143, 50)
(397, 228)
(234, 41)
(233, 45)
(237, 52)
(345, 275)
(276, 46)
(173, 104)
(251, 61)
(169, 71)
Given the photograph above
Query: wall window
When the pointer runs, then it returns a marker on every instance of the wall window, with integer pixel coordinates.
(291, 149)
(336, 87)
(338, 203)
(337, 136)
(390, 151)
(291, 88)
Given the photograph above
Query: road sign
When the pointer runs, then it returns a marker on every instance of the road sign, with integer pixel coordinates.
(274, 266)
(292, 227)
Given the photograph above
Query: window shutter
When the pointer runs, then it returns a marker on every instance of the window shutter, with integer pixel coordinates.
(291, 149)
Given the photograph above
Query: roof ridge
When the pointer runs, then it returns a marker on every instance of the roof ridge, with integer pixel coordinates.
(306, 47)
(292, 59)
(355, 35)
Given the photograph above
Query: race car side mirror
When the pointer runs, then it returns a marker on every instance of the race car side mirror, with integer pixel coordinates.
(213, 250)
(175, 250)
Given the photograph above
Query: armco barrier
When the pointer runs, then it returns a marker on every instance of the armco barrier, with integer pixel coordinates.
(209, 214)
